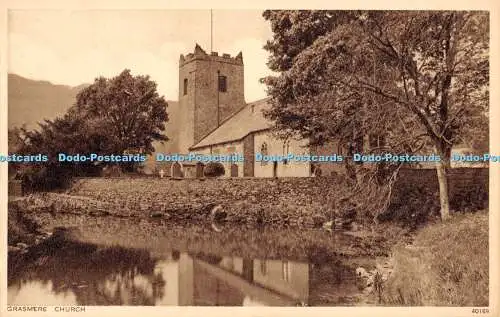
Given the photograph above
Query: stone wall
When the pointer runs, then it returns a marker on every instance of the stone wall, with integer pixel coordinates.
(416, 195)
(207, 106)
(461, 180)
(277, 200)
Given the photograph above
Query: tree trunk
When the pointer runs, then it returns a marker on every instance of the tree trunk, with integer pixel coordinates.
(443, 190)
(442, 175)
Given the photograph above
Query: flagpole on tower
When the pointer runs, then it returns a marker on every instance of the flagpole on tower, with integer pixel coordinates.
(211, 31)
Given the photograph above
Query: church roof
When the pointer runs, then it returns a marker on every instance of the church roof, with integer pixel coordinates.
(247, 120)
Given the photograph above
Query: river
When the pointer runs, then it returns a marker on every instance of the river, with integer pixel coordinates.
(112, 261)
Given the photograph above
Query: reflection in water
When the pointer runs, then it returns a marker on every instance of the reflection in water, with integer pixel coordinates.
(36, 292)
(73, 273)
(92, 275)
(248, 301)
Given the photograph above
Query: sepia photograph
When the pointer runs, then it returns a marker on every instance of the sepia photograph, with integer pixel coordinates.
(270, 157)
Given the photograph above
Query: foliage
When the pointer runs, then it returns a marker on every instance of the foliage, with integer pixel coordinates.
(15, 139)
(15, 144)
(214, 169)
(111, 116)
(390, 71)
(418, 79)
(124, 112)
(45, 177)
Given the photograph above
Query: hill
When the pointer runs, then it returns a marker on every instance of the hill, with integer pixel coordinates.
(32, 101)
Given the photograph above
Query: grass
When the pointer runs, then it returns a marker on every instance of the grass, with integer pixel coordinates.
(447, 265)
(20, 227)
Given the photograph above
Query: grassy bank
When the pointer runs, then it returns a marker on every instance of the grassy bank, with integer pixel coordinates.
(447, 265)
(21, 228)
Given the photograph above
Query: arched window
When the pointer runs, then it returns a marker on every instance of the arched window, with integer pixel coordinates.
(263, 151)
(263, 267)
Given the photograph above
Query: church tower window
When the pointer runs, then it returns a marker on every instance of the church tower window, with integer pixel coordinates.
(185, 86)
(222, 83)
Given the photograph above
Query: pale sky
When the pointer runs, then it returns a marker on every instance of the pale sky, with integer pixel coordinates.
(74, 47)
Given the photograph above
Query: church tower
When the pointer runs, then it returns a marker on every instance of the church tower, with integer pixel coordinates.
(210, 90)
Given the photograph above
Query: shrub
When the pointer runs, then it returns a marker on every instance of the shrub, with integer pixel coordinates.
(214, 169)
(53, 176)
(46, 178)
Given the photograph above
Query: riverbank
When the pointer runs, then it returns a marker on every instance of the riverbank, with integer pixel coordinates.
(23, 230)
(446, 265)
(140, 232)
(193, 202)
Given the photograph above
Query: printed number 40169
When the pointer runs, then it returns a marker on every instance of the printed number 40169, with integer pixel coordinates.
(480, 310)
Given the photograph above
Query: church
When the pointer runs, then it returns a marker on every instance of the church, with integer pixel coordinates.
(214, 118)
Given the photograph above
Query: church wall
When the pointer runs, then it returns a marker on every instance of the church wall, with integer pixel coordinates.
(186, 107)
(227, 149)
(275, 147)
(208, 96)
(329, 168)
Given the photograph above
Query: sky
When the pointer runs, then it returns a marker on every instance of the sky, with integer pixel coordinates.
(74, 47)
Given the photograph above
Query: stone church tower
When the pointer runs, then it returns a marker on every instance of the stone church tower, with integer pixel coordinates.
(210, 90)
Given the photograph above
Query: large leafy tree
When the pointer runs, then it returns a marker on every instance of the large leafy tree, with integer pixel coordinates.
(412, 76)
(128, 109)
(112, 116)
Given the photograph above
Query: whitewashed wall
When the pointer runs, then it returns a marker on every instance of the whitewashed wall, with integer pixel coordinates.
(275, 147)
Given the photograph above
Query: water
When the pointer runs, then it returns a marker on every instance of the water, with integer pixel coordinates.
(153, 263)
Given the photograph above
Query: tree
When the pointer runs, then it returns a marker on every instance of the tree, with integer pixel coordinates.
(66, 134)
(128, 109)
(420, 78)
(111, 116)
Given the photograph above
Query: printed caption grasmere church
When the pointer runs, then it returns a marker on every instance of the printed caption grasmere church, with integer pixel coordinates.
(214, 118)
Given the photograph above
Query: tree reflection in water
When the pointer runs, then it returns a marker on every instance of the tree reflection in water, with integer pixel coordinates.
(88, 274)
(95, 275)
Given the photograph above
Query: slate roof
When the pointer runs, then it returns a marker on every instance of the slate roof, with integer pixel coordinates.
(247, 120)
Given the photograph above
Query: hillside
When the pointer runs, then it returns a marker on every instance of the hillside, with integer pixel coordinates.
(32, 101)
